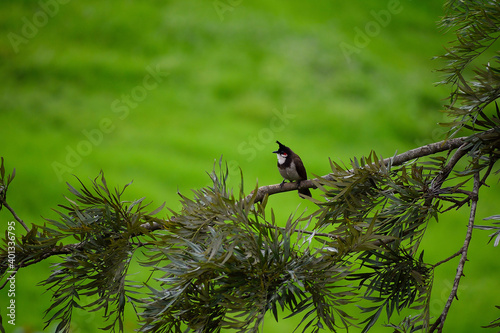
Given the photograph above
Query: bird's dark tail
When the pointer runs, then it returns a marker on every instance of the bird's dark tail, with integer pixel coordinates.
(305, 191)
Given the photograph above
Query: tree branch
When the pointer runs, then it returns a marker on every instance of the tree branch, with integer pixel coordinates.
(66, 249)
(426, 150)
(460, 269)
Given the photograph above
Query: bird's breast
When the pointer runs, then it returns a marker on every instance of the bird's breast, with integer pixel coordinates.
(290, 172)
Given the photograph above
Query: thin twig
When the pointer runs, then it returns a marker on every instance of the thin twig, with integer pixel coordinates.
(463, 252)
(438, 181)
(456, 254)
(307, 232)
(12, 274)
(66, 249)
(487, 173)
(18, 219)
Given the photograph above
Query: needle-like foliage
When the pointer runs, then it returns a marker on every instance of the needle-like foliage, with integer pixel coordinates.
(472, 63)
(225, 263)
(224, 260)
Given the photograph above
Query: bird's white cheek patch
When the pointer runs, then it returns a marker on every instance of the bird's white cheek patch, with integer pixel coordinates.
(281, 159)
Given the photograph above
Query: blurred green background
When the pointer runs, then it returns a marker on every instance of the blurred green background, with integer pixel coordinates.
(156, 91)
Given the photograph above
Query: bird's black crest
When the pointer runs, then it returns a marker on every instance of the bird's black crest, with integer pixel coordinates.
(282, 148)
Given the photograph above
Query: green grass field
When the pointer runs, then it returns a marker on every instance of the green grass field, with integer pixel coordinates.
(156, 91)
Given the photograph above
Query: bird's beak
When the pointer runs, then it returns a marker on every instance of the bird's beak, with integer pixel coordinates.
(275, 152)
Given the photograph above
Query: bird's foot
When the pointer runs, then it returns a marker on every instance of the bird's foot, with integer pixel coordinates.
(282, 183)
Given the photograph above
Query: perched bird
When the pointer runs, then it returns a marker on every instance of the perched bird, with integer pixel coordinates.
(291, 167)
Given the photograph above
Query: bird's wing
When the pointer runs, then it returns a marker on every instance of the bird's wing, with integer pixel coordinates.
(301, 170)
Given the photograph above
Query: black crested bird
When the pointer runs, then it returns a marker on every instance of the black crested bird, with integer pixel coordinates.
(291, 167)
